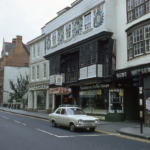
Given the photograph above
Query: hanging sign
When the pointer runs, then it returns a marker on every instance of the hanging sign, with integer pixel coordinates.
(121, 93)
(58, 80)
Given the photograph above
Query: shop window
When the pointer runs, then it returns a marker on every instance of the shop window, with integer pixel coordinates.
(147, 94)
(116, 102)
(136, 8)
(94, 101)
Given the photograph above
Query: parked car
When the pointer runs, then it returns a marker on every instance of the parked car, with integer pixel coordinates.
(72, 117)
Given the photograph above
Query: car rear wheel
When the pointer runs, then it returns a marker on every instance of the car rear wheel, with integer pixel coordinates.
(54, 124)
(72, 127)
(92, 129)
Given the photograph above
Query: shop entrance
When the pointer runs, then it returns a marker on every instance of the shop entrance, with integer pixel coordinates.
(131, 104)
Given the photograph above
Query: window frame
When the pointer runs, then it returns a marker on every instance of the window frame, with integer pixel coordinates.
(44, 70)
(53, 44)
(144, 3)
(38, 50)
(33, 54)
(33, 73)
(37, 72)
(130, 31)
(85, 15)
(66, 38)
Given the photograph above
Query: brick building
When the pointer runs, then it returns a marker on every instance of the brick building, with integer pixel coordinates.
(14, 61)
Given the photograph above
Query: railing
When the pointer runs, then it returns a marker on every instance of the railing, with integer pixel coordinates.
(72, 76)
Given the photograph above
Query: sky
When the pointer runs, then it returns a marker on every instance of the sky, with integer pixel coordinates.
(27, 17)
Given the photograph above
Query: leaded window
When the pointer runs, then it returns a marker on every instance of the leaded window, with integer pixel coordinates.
(147, 38)
(87, 21)
(139, 41)
(54, 38)
(137, 8)
(68, 30)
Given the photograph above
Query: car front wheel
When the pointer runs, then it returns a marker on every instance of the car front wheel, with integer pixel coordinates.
(54, 124)
(92, 129)
(72, 127)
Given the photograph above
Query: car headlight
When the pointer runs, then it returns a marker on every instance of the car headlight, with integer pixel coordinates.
(96, 121)
(80, 122)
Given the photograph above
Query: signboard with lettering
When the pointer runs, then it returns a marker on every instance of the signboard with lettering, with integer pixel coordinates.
(94, 86)
(40, 86)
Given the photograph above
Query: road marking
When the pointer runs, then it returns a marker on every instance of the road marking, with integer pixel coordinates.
(17, 121)
(5, 117)
(58, 136)
(127, 137)
(23, 124)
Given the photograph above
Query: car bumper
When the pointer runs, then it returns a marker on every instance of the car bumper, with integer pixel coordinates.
(86, 126)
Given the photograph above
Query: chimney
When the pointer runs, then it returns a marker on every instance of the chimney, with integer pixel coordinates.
(19, 40)
(14, 40)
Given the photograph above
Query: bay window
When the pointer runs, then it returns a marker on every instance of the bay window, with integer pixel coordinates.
(137, 8)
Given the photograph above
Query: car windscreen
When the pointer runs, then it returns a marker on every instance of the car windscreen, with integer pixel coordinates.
(75, 111)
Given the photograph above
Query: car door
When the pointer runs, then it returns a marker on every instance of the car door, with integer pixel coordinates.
(63, 118)
(57, 116)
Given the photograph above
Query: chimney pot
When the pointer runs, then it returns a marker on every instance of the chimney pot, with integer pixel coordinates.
(14, 40)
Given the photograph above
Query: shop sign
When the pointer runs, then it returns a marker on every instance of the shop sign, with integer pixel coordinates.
(95, 86)
(143, 70)
(121, 75)
(40, 86)
(59, 90)
(58, 80)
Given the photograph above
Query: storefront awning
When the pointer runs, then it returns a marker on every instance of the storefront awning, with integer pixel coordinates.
(59, 90)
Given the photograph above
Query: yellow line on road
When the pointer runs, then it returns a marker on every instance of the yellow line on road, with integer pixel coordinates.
(127, 137)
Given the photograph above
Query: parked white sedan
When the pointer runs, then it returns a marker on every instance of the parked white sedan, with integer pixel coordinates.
(72, 117)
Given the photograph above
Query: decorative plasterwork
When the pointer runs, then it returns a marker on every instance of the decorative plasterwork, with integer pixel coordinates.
(98, 16)
(77, 26)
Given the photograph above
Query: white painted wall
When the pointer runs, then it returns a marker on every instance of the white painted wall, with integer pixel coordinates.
(122, 25)
(82, 8)
(12, 73)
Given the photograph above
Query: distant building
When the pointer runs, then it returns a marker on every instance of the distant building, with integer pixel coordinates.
(14, 61)
(39, 75)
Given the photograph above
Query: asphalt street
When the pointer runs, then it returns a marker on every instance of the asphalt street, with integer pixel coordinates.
(18, 132)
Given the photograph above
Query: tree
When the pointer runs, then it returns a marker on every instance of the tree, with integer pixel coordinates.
(19, 89)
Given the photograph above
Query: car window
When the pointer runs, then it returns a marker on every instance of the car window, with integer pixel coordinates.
(58, 111)
(63, 111)
(75, 111)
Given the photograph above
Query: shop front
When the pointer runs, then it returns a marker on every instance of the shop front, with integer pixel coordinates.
(132, 102)
(103, 101)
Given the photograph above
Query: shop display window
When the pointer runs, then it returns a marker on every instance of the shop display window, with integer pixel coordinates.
(116, 103)
(147, 94)
(94, 101)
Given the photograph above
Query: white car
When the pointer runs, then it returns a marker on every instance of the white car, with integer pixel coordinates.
(72, 117)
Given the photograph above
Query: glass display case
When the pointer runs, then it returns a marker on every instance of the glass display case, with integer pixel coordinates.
(116, 101)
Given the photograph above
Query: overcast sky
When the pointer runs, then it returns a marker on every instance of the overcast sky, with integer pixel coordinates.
(27, 17)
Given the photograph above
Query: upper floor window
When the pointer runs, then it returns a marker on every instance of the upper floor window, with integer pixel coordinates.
(44, 70)
(33, 71)
(136, 8)
(37, 72)
(33, 51)
(26, 64)
(38, 50)
(139, 42)
(87, 21)
(54, 38)
(68, 30)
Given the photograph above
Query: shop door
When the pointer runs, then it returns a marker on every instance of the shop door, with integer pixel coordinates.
(131, 104)
(57, 101)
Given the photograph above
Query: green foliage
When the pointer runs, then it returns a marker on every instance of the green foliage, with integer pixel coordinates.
(20, 89)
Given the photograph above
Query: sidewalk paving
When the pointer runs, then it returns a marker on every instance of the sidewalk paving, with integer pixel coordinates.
(127, 127)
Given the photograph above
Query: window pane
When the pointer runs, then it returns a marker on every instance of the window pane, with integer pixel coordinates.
(87, 21)
(147, 6)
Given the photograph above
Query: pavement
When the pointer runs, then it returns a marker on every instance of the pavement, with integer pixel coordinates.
(131, 128)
